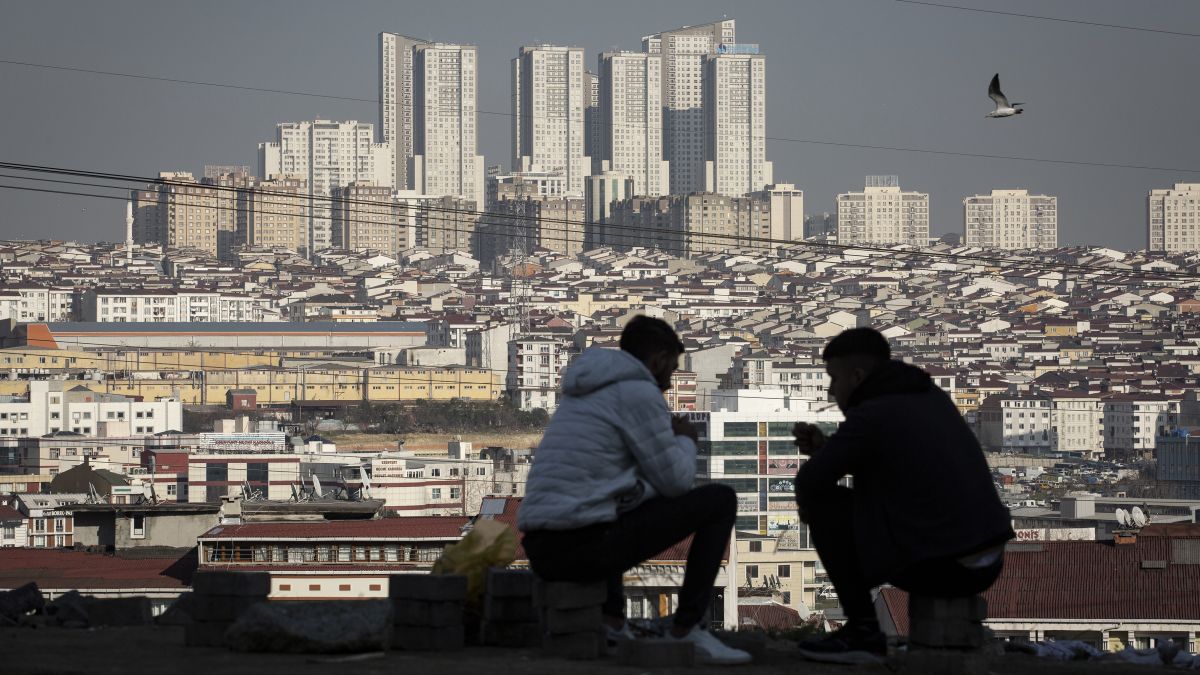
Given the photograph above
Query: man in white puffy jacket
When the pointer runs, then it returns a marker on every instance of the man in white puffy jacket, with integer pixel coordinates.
(611, 484)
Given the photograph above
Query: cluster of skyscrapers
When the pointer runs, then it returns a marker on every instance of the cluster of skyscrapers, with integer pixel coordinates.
(663, 147)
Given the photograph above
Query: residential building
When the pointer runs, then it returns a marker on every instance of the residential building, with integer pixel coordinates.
(1077, 424)
(1173, 219)
(550, 95)
(366, 218)
(786, 562)
(687, 225)
(49, 519)
(683, 51)
(1010, 219)
(397, 103)
(212, 475)
(55, 405)
(735, 121)
(752, 450)
(1178, 463)
(603, 188)
(786, 205)
(631, 122)
(883, 214)
(230, 182)
(535, 368)
(177, 212)
(448, 224)
(14, 530)
(445, 161)
(327, 154)
(523, 224)
(591, 119)
(1134, 422)
(118, 305)
(276, 214)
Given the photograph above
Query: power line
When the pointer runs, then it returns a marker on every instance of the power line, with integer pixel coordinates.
(1049, 18)
(782, 139)
(749, 241)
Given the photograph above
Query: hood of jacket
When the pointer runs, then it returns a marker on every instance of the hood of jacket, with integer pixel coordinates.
(897, 377)
(598, 367)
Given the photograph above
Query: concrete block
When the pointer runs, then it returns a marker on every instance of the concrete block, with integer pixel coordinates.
(313, 627)
(513, 634)
(972, 608)
(119, 611)
(434, 587)
(948, 634)
(426, 639)
(222, 607)
(575, 646)
(656, 653)
(232, 583)
(570, 595)
(205, 633)
(751, 642)
(427, 613)
(943, 662)
(581, 620)
(505, 583)
(509, 609)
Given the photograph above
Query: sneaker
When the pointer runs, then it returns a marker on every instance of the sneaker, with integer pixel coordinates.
(854, 643)
(711, 651)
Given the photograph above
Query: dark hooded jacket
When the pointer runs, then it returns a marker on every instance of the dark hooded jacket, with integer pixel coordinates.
(922, 488)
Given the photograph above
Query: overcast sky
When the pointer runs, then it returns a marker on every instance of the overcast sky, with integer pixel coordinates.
(874, 72)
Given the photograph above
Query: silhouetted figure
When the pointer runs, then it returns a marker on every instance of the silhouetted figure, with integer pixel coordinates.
(611, 484)
(923, 513)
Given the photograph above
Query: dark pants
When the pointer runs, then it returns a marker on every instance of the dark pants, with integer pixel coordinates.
(830, 517)
(604, 551)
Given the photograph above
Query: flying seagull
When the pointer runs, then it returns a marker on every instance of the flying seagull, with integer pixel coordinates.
(1003, 107)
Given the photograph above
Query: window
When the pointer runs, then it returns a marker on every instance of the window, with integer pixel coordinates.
(10, 532)
(257, 472)
(752, 571)
(756, 547)
(741, 429)
(216, 473)
(137, 526)
(785, 571)
(435, 493)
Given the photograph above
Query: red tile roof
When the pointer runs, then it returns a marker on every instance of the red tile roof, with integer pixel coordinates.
(9, 513)
(414, 527)
(66, 569)
(770, 616)
(1092, 580)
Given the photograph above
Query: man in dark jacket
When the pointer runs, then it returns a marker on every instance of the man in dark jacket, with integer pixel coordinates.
(923, 513)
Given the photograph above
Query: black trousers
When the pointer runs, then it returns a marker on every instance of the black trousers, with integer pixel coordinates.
(606, 550)
(830, 517)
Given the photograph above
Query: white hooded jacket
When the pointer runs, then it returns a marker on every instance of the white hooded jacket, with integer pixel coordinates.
(609, 447)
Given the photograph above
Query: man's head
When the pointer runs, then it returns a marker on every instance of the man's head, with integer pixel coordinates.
(851, 357)
(654, 343)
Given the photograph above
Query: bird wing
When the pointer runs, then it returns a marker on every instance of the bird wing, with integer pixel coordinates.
(995, 94)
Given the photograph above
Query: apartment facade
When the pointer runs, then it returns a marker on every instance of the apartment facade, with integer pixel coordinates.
(883, 214)
(631, 121)
(396, 102)
(366, 218)
(1173, 219)
(276, 214)
(535, 368)
(57, 405)
(683, 51)
(1010, 219)
(735, 121)
(445, 161)
(327, 154)
(550, 97)
(177, 212)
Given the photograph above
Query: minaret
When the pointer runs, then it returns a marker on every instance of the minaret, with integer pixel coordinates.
(129, 233)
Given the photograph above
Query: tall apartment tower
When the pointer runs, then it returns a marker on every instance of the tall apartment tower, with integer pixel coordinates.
(550, 95)
(1010, 219)
(883, 214)
(631, 120)
(735, 121)
(327, 155)
(683, 52)
(396, 101)
(177, 212)
(276, 214)
(446, 161)
(366, 218)
(591, 119)
(1173, 219)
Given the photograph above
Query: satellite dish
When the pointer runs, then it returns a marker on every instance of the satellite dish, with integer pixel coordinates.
(366, 482)
(1138, 517)
(1122, 517)
(317, 493)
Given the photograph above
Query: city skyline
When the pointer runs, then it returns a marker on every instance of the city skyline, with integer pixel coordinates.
(938, 111)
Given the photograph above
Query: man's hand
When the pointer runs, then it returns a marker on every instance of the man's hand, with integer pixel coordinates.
(809, 438)
(680, 426)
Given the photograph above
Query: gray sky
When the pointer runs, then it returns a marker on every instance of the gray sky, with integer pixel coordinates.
(871, 72)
